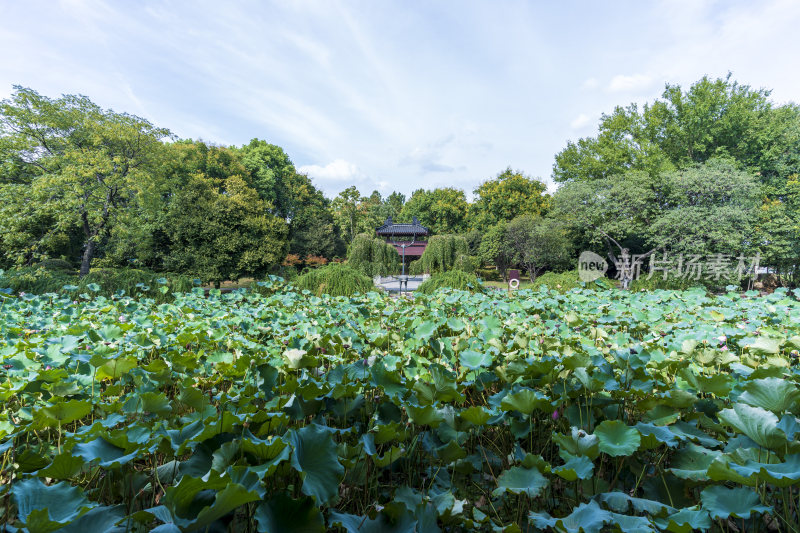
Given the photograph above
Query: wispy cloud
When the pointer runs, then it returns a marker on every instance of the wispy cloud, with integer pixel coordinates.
(635, 82)
(338, 170)
(579, 122)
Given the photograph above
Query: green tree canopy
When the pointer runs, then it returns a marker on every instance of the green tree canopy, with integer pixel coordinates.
(74, 165)
(713, 118)
(506, 197)
(441, 210)
(372, 256)
(538, 243)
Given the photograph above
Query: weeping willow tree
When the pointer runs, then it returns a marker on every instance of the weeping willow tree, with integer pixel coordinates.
(336, 280)
(443, 253)
(372, 256)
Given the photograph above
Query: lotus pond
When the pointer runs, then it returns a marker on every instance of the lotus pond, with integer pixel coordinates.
(593, 410)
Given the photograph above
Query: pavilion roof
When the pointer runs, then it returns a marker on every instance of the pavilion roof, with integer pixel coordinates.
(390, 228)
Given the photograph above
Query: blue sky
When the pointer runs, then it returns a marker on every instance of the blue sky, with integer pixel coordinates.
(393, 95)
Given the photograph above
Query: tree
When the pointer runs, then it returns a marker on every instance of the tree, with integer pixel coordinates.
(349, 210)
(495, 248)
(506, 197)
(707, 209)
(442, 210)
(713, 118)
(82, 164)
(539, 243)
(443, 253)
(292, 197)
(372, 256)
(222, 230)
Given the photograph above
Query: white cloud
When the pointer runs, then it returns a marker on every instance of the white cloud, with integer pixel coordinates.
(579, 122)
(635, 82)
(337, 170)
(590, 83)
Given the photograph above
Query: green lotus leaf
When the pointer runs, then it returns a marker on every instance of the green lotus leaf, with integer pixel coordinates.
(526, 401)
(114, 368)
(64, 466)
(773, 394)
(451, 452)
(99, 519)
(692, 462)
(653, 435)
(474, 360)
(391, 455)
(580, 467)
(61, 413)
(520, 480)
(315, 457)
(43, 509)
(192, 507)
(586, 518)
(475, 415)
(685, 521)
(779, 474)
(296, 359)
(756, 423)
(103, 453)
(403, 522)
(721, 502)
(426, 415)
(765, 346)
(282, 513)
(622, 503)
(615, 438)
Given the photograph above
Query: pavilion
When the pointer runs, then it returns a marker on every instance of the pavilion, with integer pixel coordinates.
(413, 237)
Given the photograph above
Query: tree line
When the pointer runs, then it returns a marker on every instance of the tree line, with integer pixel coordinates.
(712, 169)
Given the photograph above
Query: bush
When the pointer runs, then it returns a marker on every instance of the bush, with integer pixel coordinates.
(657, 282)
(565, 281)
(489, 274)
(105, 281)
(336, 280)
(36, 279)
(454, 279)
(134, 281)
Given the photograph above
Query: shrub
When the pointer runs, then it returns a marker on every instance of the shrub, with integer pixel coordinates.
(454, 279)
(134, 280)
(564, 281)
(336, 280)
(489, 274)
(36, 279)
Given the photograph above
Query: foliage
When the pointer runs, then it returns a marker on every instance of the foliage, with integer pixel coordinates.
(538, 244)
(566, 281)
(79, 165)
(373, 256)
(495, 248)
(441, 210)
(712, 118)
(588, 410)
(506, 197)
(102, 281)
(443, 253)
(489, 274)
(219, 229)
(453, 279)
(335, 280)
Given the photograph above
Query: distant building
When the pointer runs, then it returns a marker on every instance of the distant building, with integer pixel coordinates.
(413, 236)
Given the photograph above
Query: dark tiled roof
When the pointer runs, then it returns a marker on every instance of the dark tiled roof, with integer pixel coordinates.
(390, 228)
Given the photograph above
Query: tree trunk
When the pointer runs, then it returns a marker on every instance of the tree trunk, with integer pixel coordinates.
(86, 261)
